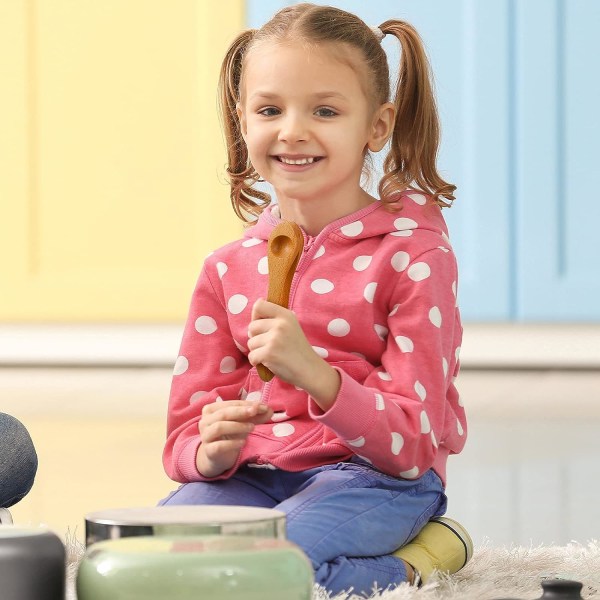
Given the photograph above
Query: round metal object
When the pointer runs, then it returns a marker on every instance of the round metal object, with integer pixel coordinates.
(184, 520)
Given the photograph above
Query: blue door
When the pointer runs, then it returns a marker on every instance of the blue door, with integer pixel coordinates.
(518, 88)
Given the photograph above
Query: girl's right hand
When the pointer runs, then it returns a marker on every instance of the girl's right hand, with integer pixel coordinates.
(224, 428)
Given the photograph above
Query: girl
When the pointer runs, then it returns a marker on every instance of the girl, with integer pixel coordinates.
(351, 437)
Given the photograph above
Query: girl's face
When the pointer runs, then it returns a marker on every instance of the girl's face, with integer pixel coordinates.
(307, 123)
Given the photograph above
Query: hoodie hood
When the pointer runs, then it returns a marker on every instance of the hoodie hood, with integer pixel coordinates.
(417, 212)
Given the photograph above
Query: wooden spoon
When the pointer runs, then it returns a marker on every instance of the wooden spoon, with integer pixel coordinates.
(284, 249)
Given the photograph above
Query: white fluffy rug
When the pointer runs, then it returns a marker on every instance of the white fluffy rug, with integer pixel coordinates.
(492, 573)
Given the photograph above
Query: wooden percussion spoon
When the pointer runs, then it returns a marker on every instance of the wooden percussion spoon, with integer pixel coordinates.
(284, 249)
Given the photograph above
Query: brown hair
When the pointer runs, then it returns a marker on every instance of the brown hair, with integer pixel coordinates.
(412, 156)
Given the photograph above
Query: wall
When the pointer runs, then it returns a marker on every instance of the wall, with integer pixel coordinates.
(111, 157)
(518, 87)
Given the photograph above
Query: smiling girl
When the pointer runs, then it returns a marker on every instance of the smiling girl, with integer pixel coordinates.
(351, 437)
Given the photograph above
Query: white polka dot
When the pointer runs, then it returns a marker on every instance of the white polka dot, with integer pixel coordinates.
(227, 365)
(418, 199)
(320, 252)
(419, 271)
(454, 288)
(181, 365)
(197, 396)
(446, 238)
(369, 293)
(218, 399)
(240, 347)
(405, 233)
(460, 401)
(263, 266)
(400, 261)
(421, 391)
(338, 327)
(411, 473)
(362, 262)
(237, 303)
(254, 396)
(397, 442)
(381, 331)
(321, 286)
(243, 394)
(405, 344)
(459, 428)
(221, 269)
(379, 402)
(352, 229)
(384, 375)
(394, 310)
(251, 242)
(443, 249)
(404, 223)
(435, 316)
(322, 352)
(279, 416)
(357, 443)
(283, 429)
(425, 425)
(445, 366)
(359, 355)
(433, 440)
(205, 325)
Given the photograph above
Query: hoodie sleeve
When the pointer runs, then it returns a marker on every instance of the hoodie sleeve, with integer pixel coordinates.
(209, 368)
(407, 410)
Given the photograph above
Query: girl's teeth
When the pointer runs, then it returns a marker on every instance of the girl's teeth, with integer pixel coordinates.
(299, 161)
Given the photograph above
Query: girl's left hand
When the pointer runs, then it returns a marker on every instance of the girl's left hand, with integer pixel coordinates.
(277, 341)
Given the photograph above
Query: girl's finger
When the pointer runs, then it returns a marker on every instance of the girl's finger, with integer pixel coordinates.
(212, 407)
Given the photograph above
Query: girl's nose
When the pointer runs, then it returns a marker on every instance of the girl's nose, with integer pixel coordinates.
(293, 129)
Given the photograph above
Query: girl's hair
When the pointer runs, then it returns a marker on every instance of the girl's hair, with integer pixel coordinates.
(411, 160)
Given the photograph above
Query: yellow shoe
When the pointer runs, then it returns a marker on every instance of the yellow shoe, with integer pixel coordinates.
(442, 545)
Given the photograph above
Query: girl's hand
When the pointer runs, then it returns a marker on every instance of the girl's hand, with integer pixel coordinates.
(277, 341)
(224, 428)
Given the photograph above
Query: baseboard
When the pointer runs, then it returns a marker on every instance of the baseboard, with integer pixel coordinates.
(485, 345)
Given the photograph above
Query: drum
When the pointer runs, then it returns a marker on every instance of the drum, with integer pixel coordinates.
(195, 568)
(184, 520)
(32, 564)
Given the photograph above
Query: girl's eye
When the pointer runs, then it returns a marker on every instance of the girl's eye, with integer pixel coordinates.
(270, 111)
(325, 112)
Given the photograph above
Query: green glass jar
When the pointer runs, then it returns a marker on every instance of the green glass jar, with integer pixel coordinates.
(194, 568)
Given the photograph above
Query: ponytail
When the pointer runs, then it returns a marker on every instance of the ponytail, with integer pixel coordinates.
(415, 138)
(244, 198)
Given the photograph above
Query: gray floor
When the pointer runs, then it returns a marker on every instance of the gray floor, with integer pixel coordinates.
(529, 474)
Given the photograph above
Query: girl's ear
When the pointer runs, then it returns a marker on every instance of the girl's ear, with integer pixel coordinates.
(242, 119)
(382, 126)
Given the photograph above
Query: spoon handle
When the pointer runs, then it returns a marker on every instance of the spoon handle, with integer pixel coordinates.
(284, 249)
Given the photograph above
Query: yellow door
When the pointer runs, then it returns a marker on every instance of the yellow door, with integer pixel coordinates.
(112, 184)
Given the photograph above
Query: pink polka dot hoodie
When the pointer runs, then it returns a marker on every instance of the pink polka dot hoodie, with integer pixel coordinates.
(375, 294)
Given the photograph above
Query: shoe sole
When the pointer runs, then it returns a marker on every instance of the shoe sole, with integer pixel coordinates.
(461, 533)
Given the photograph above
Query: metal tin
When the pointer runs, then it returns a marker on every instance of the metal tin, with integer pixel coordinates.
(184, 520)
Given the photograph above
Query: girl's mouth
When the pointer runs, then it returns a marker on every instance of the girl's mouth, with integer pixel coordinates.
(299, 163)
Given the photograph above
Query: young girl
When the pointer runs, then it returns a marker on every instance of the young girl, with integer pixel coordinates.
(351, 437)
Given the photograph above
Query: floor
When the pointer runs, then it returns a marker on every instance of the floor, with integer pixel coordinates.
(529, 474)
